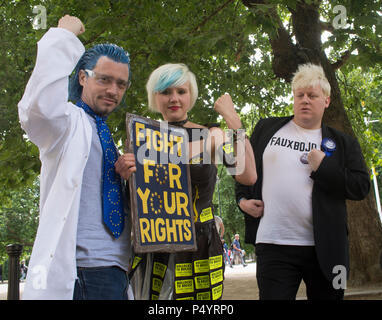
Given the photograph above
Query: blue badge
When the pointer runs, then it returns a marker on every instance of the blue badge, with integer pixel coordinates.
(328, 146)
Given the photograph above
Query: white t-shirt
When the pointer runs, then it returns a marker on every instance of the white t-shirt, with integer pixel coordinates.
(287, 187)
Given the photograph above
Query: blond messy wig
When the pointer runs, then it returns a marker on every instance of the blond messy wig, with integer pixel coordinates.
(310, 75)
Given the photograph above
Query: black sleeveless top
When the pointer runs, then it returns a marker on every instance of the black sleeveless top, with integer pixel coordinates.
(203, 180)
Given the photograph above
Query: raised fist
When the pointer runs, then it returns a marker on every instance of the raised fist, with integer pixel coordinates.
(224, 105)
(72, 24)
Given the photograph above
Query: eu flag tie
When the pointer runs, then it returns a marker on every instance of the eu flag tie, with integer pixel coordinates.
(113, 215)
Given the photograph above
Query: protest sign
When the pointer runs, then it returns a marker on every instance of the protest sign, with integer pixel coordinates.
(160, 189)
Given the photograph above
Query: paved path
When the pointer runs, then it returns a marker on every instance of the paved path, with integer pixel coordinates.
(4, 289)
(240, 284)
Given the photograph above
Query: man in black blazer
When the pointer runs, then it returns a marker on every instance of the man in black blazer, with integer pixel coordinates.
(295, 214)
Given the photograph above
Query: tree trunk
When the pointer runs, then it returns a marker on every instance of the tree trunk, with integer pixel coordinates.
(365, 230)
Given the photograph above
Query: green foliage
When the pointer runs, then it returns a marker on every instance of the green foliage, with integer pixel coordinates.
(225, 207)
(361, 35)
(18, 158)
(19, 219)
(361, 94)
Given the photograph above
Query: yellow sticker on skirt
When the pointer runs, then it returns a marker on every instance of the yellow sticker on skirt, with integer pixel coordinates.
(183, 270)
(202, 266)
(157, 284)
(203, 296)
(136, 261)
(216, 276)
(202, 282)
(159, 269)
(217, 292)
(206, 215)
(184, 286)
(186, 298)
(216, 262)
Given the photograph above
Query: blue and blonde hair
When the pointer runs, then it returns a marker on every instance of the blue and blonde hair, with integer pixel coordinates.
(89, 60)
(170, 75)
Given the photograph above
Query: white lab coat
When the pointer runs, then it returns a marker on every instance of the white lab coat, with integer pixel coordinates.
(63, 134)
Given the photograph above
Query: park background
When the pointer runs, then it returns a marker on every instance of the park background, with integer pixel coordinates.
(247, 48)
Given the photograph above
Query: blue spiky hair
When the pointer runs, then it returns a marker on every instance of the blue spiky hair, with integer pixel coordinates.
(89, 60)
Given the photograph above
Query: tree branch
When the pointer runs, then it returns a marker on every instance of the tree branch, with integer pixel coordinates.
(307, 25)
(344, 58)
(206, 19)
(326, 26)
(284, 52)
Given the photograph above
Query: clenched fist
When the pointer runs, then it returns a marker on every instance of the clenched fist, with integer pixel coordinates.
(253, 207)
(315, 158)
(72, 24)
(225, 107)
(125, 165)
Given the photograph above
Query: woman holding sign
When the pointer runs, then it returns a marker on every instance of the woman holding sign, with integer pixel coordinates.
(172, 91)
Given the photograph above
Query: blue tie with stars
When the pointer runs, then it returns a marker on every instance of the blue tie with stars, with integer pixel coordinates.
(113, 215)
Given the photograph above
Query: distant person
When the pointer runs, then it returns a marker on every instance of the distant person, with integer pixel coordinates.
(23, 270)
(237, 251)
(226, 252)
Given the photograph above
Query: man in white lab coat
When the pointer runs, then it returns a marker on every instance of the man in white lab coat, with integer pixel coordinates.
(77, 253)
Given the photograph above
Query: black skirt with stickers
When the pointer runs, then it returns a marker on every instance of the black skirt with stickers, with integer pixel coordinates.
(195, 275)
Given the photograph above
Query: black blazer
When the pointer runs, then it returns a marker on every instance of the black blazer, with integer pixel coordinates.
(341, 176)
